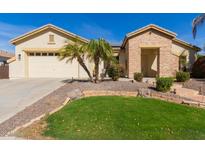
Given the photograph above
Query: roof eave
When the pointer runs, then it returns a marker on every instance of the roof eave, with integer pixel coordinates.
(151, 26)
(21, 37)
(196, 48)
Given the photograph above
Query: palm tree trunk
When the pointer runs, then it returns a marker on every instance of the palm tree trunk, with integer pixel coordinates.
(107, 67)
(80, 60)
(97, 69)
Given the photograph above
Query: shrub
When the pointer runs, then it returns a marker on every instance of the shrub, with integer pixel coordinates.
(138, 76)
(114, 72)
(122, 71)
(182, 76)
(198, 69)
(164, 84)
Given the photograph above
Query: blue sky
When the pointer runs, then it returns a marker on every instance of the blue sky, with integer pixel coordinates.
(112, 27)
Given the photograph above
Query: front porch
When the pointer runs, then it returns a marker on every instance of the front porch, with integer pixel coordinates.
(150, 62)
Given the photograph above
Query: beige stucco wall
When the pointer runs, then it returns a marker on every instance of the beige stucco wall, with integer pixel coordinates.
(42, 66)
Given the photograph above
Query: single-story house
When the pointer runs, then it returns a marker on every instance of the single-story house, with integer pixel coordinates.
(152, 50)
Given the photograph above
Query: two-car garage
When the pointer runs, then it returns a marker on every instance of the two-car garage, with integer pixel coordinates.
(46, 65)
(36, 55)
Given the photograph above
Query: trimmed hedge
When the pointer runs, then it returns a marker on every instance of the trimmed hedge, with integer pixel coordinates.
(164, 84)
(138, 77)
(114, 72)
(182, 76)
(198, 69)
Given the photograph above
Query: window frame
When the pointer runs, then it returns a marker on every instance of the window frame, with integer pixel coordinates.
(50, 54)
(44, 54)
(36, 54)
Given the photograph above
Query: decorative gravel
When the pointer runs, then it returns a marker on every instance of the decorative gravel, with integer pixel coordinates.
(56, 99)
(110, 85)
(196, 84)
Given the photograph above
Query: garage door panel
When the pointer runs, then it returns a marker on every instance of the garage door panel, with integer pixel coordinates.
(50, 66)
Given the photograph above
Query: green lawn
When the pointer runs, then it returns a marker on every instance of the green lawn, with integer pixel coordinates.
(112, 117)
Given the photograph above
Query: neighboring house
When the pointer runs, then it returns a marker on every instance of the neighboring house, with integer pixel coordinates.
(152, 50)
(4, 56)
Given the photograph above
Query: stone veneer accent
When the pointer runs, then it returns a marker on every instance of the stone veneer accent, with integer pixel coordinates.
(168, 63)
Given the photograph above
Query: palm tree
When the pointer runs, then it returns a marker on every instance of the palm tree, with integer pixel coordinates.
(199, 20)
(99, 50)
(75, 50)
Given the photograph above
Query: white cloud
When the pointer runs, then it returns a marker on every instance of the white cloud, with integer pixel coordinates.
(9, 31)
(95, 31)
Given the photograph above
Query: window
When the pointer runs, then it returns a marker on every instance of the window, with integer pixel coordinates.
(44, 54)
(50, 54)
(19, 57)
(38, 54)
(51, 39)
(57, 54)
(31, 54)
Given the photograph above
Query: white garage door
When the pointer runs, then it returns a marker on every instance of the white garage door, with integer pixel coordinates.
(47, 65)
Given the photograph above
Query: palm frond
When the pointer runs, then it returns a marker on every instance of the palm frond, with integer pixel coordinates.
(199, 20)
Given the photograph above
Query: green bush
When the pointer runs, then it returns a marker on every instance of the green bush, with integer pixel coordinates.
(138, 76)
(182, 76)
(114, 72)
(164, 84)
(122, 72)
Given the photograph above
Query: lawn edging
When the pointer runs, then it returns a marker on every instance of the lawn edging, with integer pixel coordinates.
(67, 100)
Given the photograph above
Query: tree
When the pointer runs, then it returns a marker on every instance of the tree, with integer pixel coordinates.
(199, 56)
(76, 51)
(199, 20)
(99, 50)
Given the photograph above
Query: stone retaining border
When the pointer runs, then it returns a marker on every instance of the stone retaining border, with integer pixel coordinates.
(89, 93)
(146, 93)
(141, 93)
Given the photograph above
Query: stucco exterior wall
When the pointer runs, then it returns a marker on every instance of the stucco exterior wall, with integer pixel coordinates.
(38, 66)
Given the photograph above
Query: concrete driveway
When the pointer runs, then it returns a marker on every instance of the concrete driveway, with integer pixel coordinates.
(17, 94)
